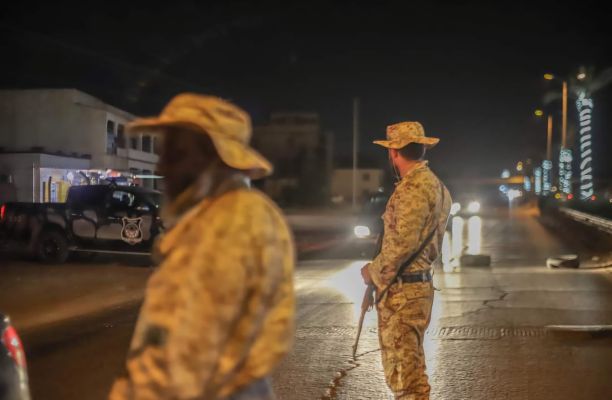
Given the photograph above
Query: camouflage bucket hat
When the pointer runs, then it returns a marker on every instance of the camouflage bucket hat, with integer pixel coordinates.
(404, 133)
(228, 126)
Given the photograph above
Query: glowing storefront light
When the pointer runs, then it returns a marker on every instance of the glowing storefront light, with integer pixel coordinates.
(565, 170)
(505, 174)
(546, 176)
(519, 166)
(537, 177)
(584, 105)
(527, 183)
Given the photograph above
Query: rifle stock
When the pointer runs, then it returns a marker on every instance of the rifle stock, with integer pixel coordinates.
(366, 304)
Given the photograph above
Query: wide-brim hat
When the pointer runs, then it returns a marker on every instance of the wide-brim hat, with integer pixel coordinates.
(401, 134)
(227, 125)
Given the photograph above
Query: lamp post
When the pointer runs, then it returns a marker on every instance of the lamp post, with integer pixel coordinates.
(543, 174)
(565, 154)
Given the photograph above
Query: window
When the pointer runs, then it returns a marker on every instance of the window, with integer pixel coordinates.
(134, 143)
(111, 143)
(80, 197)
(111, 140)
(146, 143)
(120, 136)
(122, 200)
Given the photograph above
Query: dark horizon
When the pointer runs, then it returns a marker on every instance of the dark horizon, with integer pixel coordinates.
(472, 75)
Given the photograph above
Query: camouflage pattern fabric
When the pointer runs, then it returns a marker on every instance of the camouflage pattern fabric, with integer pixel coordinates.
(413, 210)
(403, 317)
(218, 313)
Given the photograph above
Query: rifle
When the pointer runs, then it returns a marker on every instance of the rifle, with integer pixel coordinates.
(366, 305)
(368, 298)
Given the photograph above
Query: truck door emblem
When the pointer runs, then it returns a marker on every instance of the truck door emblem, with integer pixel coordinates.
(131, 232)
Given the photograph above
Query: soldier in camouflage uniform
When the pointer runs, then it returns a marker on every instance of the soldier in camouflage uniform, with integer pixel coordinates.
(419, 204)
(218, 313)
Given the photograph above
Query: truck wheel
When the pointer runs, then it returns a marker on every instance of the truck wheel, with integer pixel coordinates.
(52, 247)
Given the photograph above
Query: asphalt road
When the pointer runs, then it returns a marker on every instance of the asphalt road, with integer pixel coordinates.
(489, 336)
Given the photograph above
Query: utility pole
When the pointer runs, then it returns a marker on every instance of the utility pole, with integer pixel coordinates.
(564, 122)
(355, 148)
(549, 138)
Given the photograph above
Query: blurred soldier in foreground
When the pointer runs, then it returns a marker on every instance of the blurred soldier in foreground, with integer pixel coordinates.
(414, 222)
(218, 313)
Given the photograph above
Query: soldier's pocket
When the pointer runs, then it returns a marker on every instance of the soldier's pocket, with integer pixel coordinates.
(399, 296)
(395, 300)
(419, 300)
(419, 290)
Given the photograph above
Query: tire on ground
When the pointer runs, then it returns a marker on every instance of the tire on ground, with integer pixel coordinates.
(563, 261)
(52, 247)
(475, 260)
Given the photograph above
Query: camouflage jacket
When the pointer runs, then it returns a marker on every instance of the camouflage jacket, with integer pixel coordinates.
(218, 313)
(413, 210)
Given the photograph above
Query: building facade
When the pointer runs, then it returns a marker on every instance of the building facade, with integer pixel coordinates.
(368, 182)
(301, 155)
(53, 138)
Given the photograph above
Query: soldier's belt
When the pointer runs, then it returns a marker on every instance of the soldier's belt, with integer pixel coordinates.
(415, 277)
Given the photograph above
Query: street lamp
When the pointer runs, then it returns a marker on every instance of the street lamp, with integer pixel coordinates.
(565, 154)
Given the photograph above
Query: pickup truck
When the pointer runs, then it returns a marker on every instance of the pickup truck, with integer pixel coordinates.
(95, 218)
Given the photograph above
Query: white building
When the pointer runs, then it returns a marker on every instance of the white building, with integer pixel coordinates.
(48, 137)
(369, 181)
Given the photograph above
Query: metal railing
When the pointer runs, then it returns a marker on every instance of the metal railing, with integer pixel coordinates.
(600, 223)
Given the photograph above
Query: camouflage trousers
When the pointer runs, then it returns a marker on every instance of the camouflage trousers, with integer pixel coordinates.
(403, 317)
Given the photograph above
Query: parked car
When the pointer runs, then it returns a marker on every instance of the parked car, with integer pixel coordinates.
(95, 218)
(13, 368)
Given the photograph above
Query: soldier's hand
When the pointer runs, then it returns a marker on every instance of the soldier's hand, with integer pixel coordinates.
(365, 274)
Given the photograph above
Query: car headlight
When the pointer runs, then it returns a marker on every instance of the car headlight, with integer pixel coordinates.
(455, 208)
(361, 231)
(473, 207)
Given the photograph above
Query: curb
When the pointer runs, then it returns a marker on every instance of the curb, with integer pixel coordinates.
(581, 331)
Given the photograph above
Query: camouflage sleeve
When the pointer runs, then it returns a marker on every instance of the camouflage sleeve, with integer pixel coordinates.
(402, 236)
(191, 305)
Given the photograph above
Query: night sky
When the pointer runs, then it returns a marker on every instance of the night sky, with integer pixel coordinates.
(469, 71)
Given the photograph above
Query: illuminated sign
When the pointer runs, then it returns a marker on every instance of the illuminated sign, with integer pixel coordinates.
(565, 170)
(537, 177)
(546, 176)
(527, 183)
(585, 109)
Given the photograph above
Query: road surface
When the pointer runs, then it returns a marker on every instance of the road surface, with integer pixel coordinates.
(490, 335)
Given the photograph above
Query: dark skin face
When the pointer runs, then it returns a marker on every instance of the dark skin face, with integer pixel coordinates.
(185, 154)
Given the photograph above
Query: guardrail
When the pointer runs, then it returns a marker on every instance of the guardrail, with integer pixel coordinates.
(600, 223)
